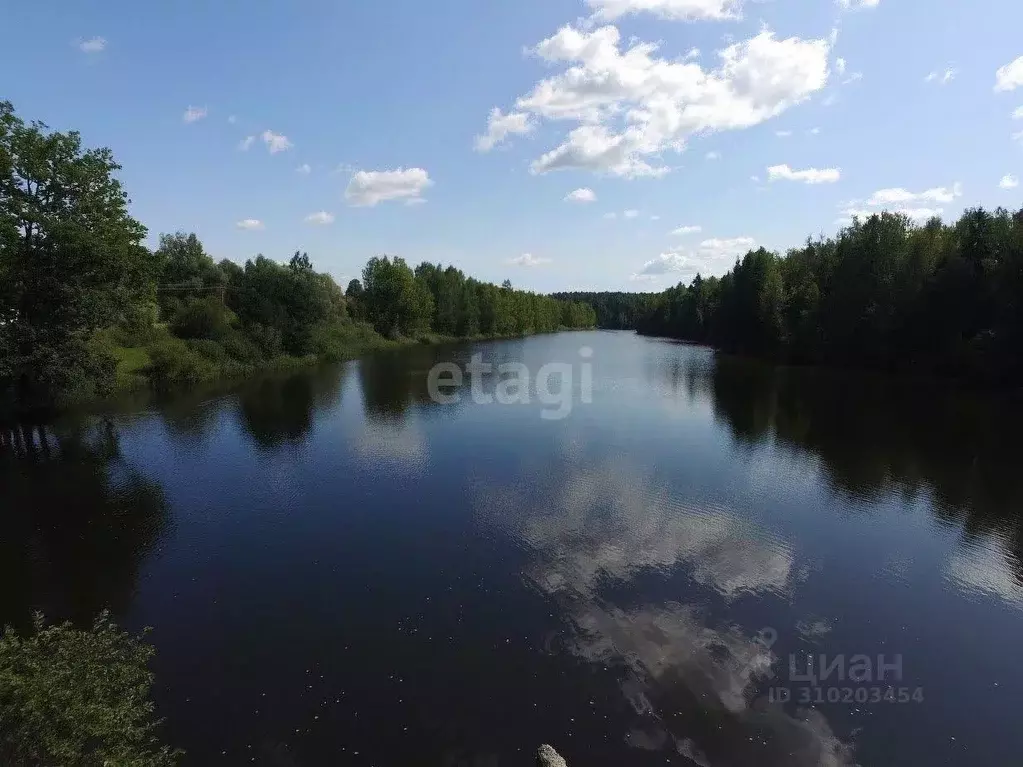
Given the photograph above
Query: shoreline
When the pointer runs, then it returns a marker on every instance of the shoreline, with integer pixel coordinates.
(131, 383)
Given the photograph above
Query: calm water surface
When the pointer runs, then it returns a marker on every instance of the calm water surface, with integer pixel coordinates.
(340, 571)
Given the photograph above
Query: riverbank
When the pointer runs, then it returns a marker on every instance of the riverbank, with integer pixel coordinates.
(158, 362)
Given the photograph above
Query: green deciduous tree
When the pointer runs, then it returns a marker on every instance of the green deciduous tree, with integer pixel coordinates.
(71, 261)
(77, 697)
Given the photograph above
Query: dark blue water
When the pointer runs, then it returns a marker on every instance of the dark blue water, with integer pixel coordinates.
(339, 570)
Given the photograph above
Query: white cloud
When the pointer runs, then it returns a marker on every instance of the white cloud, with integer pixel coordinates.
(919, 206)
(713, 155)
(275, 142)
(92, 45)
(250, 223)
(655, 218)
(808, 176)
(840, 66)
(631, 106)
(246, 143)
(610, 216)
(528, 259)
(942, 78)
(231, 119)
(192, 114)
(1010, 76)
(500, 126)
(367, 188)
(813, 132)
(684, 230)
(718, 248)
(1008, 182)
(594, 148)
(581, 195)
(631, 214)
(1018, 114)
(713, 256)
(692, 53)
(322, 218)
(666, 263)
(857, 5)
(676, 10)
(304, 169)
(899, 196)
(783, 133)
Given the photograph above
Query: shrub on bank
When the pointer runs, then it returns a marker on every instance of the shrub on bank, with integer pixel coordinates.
(74, 697)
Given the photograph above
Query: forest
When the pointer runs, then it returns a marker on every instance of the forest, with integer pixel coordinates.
(884, 293)
(86, 307)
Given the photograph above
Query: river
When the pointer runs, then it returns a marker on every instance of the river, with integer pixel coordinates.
(691, 559)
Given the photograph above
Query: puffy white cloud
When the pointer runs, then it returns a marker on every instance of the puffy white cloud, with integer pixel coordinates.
(528, 259)
(322, 218)
(246, 143)
(1010, 76)
(1018, 114)
(367, 188)
(676, 10)
(1008, 182)
(581, 195)
(808, 176)
(275, 142)
(630, 105)
(92, 45)
(192, 114)
(919, 206)
(942, 78)
(631, 214)
(857, 5)
(500, 126)
(726, 248)
(713, 256)
(665, 263)
(304, 169)
(813, 132)
(250, 223)
(840, 65)
(684, 230)
(899, 196)
(594, 148)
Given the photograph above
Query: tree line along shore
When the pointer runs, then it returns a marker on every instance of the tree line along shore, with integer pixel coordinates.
(86, 307)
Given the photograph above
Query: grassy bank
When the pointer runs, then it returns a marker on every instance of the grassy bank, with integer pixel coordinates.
(156, 359)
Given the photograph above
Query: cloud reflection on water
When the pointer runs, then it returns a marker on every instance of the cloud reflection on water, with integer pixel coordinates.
(690, 678)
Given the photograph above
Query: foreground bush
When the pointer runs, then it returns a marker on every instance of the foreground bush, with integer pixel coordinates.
(77, 698)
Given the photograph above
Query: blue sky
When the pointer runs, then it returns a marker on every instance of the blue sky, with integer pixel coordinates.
(675, 111)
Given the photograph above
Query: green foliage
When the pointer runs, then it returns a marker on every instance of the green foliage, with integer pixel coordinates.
(84, 306)
(397, 303)
(883, 293)
(172, 361)
(612, 310)
(71, 262)
(77, 698)
(202, 318)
